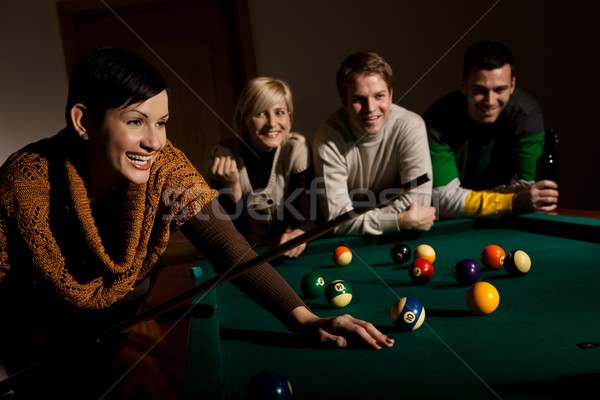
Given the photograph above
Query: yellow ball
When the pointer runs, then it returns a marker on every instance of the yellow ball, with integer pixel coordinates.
(483, 298)
(517, 263)
(425, 251)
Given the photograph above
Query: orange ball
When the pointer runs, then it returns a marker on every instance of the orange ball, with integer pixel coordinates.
(492, 256)
(342, 255)
(483, 298)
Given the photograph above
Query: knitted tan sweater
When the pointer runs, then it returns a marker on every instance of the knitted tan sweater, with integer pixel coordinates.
(81, 255)
(64, 262)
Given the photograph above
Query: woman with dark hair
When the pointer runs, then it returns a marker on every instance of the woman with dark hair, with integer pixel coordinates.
(86, 214)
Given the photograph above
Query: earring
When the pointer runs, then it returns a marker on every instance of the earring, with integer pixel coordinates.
(84, 136)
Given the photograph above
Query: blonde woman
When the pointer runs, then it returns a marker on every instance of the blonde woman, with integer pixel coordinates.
(263, 173)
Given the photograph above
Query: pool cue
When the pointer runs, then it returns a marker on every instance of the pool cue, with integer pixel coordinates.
(263, 258)
(7, 384)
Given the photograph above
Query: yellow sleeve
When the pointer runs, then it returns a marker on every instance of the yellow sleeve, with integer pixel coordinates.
(487, 204)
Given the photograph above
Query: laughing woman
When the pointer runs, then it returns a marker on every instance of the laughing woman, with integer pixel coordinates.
(86, 214)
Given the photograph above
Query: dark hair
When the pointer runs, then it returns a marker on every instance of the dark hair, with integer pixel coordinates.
(108, 78)
(366, 62)
(488, 55)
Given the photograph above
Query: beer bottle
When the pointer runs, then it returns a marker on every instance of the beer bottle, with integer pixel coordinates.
(547, 164)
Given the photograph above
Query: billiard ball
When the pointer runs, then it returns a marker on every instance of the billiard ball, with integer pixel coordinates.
(338, 293)
(420, 270)
(483, 298)
(492, 256)
(312, 285)
(466, 271)
(269, 385)
(342, 255)
(408, 314)
(517, 263)
(425, 251)
(400, 253)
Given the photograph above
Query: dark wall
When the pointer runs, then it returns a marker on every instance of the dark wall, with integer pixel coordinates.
(555, 42)
(303, 42)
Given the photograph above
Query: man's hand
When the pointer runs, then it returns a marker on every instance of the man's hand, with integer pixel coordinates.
(541, 196)
(417, 216)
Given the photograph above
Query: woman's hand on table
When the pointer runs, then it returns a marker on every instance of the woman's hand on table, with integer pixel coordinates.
(340, 330)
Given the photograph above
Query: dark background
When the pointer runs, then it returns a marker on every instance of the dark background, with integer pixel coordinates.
(303, 42)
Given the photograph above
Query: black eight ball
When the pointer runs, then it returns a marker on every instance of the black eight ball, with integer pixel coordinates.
(400, 253)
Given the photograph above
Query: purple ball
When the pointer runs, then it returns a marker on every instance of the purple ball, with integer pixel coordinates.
(466, 271)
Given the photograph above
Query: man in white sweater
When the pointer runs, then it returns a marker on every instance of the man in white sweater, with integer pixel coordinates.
(367, 149)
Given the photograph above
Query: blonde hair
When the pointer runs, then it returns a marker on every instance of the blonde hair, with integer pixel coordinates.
(260, 94)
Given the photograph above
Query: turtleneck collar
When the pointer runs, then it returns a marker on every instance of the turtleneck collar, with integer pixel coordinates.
(362, 137)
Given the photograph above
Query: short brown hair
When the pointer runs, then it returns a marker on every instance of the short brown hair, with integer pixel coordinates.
(363, 63)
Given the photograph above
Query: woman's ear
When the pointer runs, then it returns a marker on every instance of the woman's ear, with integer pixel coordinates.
(80, 120)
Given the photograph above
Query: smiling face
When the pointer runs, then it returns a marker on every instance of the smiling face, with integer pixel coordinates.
(127, 143)
(488, 92)
(368, 103)
(268, 128)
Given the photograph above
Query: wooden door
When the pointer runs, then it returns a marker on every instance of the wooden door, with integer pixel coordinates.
(203, 48)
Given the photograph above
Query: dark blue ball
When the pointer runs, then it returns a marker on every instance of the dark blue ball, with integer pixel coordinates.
(408, 314)
(269, 385)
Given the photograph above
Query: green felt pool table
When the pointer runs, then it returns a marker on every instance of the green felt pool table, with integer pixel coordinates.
(539, 343)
